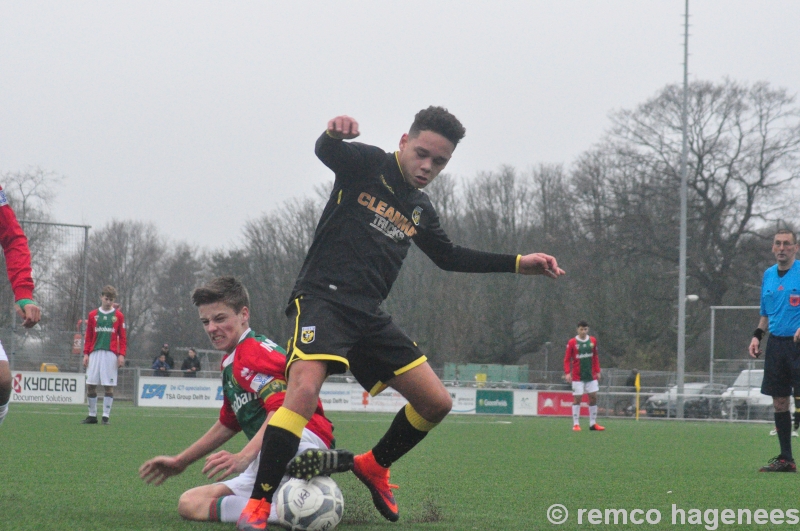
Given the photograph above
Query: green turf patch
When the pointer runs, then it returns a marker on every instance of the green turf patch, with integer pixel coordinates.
(471, 472)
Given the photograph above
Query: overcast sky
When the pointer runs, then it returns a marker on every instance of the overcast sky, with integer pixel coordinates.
(197, 116)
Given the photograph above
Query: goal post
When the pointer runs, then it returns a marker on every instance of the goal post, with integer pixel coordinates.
(713, 333)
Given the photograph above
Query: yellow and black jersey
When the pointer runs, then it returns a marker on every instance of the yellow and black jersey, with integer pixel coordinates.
(368, 224)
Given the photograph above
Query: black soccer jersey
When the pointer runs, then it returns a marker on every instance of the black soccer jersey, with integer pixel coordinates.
(367, 227)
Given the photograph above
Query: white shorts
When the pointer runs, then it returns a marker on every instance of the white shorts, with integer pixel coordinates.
(579, 388)
(3, 356)
(242, 485)
(102, 368)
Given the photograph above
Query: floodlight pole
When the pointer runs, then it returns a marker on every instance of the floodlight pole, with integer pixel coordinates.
(682, 258)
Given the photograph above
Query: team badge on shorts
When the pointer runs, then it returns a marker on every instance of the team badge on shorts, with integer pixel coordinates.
(415, 215)
(307, 334)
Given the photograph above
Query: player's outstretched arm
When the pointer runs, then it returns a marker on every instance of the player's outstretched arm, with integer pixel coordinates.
(540, 264)
(159, 469)
(343, 128)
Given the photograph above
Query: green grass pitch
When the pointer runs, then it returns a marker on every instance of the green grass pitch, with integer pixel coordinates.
(471, 473)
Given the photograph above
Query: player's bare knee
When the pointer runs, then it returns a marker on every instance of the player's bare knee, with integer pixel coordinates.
(444, 410)
(188, 505)
(436, 410)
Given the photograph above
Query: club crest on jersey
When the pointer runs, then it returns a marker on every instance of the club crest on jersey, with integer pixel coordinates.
(3, 198)
(307, 334)
(114, 319)
(794, 300)
(415, 215)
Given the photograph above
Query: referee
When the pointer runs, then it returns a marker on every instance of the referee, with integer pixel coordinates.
(780, 310)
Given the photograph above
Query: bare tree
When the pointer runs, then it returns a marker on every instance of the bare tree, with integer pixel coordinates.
(743, 143)
(175, 319)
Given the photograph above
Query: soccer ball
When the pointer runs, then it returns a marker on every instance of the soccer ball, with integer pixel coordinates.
(315, 505)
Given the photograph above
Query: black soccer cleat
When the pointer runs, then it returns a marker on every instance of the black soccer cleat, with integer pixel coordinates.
(89, 420)
(319, 463)
(779, 464)
(106, 422)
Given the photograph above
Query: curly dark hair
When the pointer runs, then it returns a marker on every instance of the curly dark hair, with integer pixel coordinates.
(438, 120)
(227, 290)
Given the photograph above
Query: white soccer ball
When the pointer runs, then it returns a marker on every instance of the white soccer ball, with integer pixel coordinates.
(315, 505)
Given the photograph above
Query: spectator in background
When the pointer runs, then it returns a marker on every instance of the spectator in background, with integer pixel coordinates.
(160, 366)
(168, 358)
(191, 364)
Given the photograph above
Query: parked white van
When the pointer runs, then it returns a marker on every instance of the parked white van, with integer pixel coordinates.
(744, 400)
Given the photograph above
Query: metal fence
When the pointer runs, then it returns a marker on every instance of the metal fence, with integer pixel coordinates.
(615, 398)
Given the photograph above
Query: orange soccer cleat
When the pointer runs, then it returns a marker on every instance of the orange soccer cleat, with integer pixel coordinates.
(376, 478)
(254, 516)
(596, 427)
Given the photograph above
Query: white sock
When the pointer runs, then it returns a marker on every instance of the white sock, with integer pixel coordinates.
(231, 508)
(592, 415)
(576, 414)
(92, 406)
(3, 412)
(107, 401)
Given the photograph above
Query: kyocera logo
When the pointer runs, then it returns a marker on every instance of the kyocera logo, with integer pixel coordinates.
(44, 383)
(153, 390)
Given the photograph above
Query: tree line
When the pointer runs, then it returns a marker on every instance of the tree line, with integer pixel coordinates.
(611, 218)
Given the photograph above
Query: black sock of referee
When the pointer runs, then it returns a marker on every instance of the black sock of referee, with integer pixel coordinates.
(783, 423)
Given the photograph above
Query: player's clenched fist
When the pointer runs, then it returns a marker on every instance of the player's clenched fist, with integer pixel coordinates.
(343, 128)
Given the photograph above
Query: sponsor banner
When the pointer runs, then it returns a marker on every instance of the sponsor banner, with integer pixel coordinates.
(525, 402)
(494, 402)
(48, 387)
(463, 399)
(389, 401)
(336, 396)
(158, 391)
(558, 403)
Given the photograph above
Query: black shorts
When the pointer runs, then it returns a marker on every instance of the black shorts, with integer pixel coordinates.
(781, 367)
(368, 343)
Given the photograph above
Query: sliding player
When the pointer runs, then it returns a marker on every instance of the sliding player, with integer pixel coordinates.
(253, 387)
